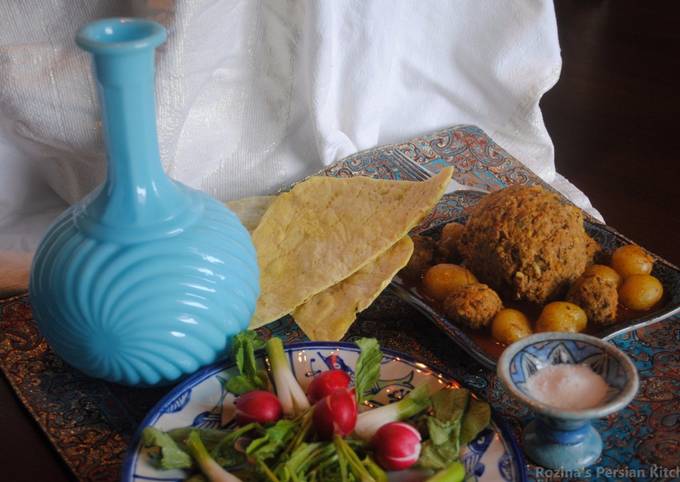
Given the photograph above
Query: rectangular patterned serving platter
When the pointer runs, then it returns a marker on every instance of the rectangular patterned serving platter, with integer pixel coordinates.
(481, 346)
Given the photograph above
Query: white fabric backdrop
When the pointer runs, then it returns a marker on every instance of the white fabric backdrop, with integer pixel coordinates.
(252, 94)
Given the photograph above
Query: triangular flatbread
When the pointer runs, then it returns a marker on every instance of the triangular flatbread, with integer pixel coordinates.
(329, 314)
(325, 229)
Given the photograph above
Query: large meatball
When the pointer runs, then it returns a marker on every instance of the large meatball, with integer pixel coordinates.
(526, 243)
(474, 305)
(598, 296)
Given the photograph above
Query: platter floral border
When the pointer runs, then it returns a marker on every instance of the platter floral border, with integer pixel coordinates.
(90, 422)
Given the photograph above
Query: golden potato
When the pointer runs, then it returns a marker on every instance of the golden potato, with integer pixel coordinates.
(510, 325)
(562, 316)
(631, 259)
(442, 279)
(604, 272)
(447, 246)
(640, 292)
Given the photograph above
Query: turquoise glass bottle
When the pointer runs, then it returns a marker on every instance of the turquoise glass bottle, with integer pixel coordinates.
(144, 280)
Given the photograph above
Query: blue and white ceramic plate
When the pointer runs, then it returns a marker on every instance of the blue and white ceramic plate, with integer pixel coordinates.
(201, 401)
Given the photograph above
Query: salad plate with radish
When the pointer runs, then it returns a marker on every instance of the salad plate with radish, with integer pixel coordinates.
(320, 412)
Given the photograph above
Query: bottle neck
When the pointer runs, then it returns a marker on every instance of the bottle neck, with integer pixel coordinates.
(137, 192)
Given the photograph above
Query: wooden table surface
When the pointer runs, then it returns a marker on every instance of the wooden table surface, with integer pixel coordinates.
(613, 119)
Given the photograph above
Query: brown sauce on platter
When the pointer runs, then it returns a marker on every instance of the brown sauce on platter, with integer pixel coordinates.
(494, 348)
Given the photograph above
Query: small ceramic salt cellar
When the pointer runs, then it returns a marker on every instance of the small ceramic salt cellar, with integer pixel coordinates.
(564, 437)
(144, 280)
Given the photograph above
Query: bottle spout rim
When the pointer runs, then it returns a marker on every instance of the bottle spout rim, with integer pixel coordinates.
(120, 35)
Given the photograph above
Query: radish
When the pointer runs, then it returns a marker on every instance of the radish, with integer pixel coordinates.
(258, 406)
(325, 382)
(336, 413)
(396, 445)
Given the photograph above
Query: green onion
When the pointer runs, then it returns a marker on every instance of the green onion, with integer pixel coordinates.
(292, 397)
(206, 463)
(370, 421)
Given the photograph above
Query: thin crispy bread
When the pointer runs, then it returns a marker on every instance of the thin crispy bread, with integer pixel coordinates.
(325, 229)
(329, 314)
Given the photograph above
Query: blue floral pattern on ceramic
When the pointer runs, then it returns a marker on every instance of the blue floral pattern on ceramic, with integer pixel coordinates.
(554, 352)
(472, 458)
(561, 438)
(145, 280)
(179, 403)
(492, 456)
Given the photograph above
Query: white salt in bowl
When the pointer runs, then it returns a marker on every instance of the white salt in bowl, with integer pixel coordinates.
(525, 357)
(564, 438)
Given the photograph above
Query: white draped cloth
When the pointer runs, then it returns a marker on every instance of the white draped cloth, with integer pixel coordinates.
(254, 94)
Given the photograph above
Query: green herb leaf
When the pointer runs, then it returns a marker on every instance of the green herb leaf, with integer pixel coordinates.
(304, 426)
(250, 378)
(295, 467)
(241, 384)
(450, 404)
(325, 465)
(456, 419)
(242, 341)
(477, 418)
(225, 452)
(210, 437)
(367, 367)
(437, 457)
(444, 432)
(453, 473)
(274, 440)
(164, 452)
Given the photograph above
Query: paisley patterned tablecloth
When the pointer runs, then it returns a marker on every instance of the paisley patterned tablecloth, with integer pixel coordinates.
(90, 422)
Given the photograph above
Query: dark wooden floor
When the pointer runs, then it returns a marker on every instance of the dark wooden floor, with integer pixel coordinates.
(613, 119)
